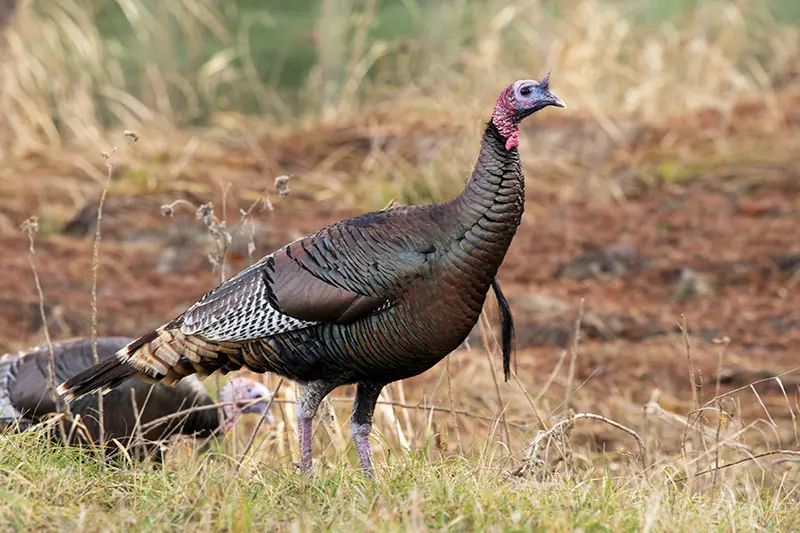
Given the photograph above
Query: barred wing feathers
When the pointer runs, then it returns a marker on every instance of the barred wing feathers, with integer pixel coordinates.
(334, 276)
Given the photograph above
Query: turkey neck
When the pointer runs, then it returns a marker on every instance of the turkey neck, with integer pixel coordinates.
(488, 211)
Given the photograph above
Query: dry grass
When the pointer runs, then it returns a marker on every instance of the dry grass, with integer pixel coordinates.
(411, 496)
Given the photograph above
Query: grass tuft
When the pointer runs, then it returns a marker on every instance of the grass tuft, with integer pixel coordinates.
(205, 494)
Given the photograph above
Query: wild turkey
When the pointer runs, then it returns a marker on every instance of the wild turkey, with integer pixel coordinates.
(368, 300)
(24, 398)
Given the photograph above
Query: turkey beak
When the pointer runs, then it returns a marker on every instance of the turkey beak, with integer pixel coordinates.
(556, 101)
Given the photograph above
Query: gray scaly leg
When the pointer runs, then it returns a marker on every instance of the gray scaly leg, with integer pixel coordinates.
(361, 422)
(307, 404)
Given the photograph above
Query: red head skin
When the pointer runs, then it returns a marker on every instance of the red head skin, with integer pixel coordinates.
(519, 100)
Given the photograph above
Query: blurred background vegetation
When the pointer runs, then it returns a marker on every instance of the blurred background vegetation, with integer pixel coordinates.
(72, 68)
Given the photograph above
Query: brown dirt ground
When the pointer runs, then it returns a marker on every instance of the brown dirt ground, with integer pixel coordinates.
(718, 243)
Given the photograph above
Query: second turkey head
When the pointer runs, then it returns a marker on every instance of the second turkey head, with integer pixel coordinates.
(243, 391)
(519, 100)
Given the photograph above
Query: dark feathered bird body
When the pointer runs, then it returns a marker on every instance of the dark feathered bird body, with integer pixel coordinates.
(386, 294)
(369, 300)
(24, 396)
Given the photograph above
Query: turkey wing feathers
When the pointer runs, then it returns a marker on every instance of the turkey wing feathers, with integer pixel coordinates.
(338, 275)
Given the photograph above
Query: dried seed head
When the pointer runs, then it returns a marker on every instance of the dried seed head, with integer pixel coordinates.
(206, 213)
(282, 182)
(282, 185)
(131, 136)
(30, 226)
(110, 158)
(251, 242)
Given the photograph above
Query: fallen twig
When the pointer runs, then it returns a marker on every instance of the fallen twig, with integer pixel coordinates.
(461, 412)
(543, 438)
(794, 453)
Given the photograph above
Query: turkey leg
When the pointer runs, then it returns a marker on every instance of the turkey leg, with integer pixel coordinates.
(361, 422)
(307, 404)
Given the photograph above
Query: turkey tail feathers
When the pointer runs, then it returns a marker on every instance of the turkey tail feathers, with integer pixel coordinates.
(165, 354)
(104, 376)
(144, 357)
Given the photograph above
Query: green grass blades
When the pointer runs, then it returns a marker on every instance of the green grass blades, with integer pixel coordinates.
(47, 488)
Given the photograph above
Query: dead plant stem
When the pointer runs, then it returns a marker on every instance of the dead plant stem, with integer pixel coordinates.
(30, 227)
(484, 329)
(452, 406)
(576, 338)
(258, 424)
(793, 453)
(111, 162)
